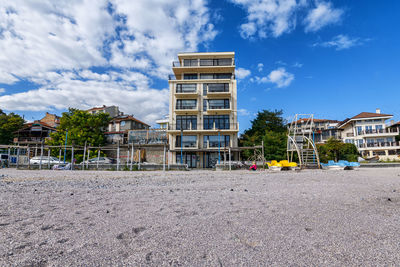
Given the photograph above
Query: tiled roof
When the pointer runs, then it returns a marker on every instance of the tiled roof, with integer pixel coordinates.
(366, 115)
(129, 118)
(28, 125)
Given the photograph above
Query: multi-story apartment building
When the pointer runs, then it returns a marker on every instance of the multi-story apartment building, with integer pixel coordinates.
(203, 108)
(370, 132)
(372, 136)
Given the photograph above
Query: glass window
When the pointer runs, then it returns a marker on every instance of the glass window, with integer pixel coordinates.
(190, 62)
(186, 104)
(206, 76)
(218, 87)
(220, 122)
(218, 104)
(204, 89)
(190, 76)
(215, 141)
(187, 141)
(186, 122)
(210, 76)
(186, 88)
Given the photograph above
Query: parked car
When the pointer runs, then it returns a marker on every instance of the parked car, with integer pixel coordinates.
(45, 160)
(101, 160)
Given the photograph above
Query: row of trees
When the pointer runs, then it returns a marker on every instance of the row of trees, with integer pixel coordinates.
(271, 127)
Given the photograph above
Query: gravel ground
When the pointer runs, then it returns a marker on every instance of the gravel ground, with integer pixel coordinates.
(200, 218)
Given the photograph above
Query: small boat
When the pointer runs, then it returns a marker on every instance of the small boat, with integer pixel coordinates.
(282, 165)
(340, 165)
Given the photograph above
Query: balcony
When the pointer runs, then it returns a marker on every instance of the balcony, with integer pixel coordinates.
(204, 63)
(199, 65)
(379, 132)
(186, 90)
(31, 140)
(379, 145)
(233, 127)
(218, 89)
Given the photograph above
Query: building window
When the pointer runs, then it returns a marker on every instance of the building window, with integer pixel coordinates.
(212, 76)
(215, 140)
(218, 104)
(186, 104)
(392, 152)
(190, 62)
(186, 122)
(186, 88)
(216, 62)
(218, 87)
(187, 141)
(379, 153)
(190, 76)
(359, 130)
(368, 129)
(220, 122)
(379, 128)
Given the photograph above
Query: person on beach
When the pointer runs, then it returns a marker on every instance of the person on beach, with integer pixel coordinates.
(253, 167)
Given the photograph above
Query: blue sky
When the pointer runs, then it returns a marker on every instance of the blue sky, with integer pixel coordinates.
(334, 59)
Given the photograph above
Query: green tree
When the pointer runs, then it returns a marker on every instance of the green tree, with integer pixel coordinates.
(82, 127)
(270, 127)
(9, 123)
(335, 149)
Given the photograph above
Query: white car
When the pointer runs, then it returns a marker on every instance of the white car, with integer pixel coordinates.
(101, 160)
(45, 160)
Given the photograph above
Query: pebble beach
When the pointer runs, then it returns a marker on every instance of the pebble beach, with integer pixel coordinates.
(200, 218)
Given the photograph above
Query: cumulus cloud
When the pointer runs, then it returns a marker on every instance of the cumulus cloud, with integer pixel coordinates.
(242, 73)
(70, 90)
(322, 15)
(280, 77)
(268, 17)
(260, 67)
(243, 112)
(272, 18)
(341, 42)
(57, 45)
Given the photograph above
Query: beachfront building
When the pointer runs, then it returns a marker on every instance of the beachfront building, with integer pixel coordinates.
(119, 127)
(203, 125)
(371, 134)
(323, 129)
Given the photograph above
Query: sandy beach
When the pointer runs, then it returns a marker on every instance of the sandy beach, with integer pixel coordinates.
(200, 218)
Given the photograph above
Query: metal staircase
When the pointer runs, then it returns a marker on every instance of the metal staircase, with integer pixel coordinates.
(301, 143)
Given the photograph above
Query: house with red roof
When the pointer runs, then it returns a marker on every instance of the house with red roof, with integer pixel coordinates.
(371, 134)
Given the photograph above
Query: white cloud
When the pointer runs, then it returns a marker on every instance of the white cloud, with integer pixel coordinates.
(297, 65)
(242, 73)
(69, 90)
(243, 112)
(341, 42)
(280, 77)
(2, 90)
(272, 18)
(268, 17)
(322, 15)
(57, 44)
(260, 67)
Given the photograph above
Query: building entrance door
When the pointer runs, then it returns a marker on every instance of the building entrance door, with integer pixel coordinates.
(210, 159)
(187, 158)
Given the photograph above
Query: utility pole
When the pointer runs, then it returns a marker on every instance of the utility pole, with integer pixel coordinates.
(65, 145)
